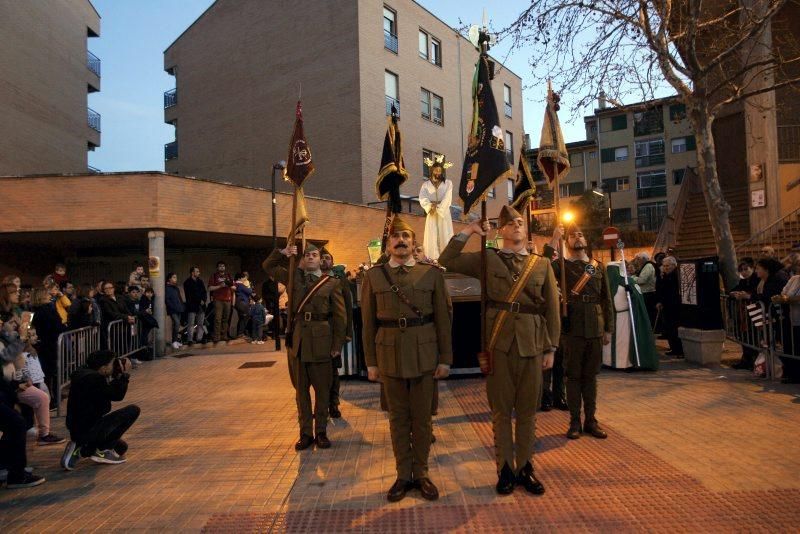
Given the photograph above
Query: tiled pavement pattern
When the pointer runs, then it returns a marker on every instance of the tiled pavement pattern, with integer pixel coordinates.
(689, 449)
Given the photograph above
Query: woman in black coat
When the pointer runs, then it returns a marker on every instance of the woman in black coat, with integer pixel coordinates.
(668, 294)
(48, 327)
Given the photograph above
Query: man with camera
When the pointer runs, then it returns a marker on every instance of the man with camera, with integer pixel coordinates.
(95, 431)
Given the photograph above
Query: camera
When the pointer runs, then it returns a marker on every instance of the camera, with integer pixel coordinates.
(119, 365)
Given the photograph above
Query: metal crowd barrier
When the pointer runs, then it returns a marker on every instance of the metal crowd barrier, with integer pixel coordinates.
(773, 335)
(124, 338)
(73, 348)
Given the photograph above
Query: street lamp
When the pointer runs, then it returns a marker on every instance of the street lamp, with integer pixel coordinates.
(276, 320)
(279, 166)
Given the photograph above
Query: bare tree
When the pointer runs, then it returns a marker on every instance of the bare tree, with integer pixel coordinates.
(712, 53)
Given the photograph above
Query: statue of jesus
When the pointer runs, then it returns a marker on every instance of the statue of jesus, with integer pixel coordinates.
(435, 197)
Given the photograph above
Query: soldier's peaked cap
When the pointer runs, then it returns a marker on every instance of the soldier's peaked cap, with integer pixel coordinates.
(399, 225)
(311, 247)
(572, 227)
(507, 214)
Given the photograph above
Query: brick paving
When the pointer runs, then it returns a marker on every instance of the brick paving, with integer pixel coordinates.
(689, 449)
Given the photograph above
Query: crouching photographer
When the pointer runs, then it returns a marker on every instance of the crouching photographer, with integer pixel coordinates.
(95, 431)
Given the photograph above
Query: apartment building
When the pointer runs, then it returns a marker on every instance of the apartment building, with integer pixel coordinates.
(241, 67)
(48, 72)
(636, 156)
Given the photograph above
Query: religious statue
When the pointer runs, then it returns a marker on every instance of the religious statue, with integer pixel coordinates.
(435, 197)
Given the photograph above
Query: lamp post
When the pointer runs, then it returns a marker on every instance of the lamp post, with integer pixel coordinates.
(276, 320)
(600, 192)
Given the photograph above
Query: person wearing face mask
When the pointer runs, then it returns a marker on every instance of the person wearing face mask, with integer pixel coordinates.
(522, 327)
(668, 292)
(314, 338)
(407, 345)
(589, 325)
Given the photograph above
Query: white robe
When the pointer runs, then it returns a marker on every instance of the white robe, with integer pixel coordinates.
(439, 222)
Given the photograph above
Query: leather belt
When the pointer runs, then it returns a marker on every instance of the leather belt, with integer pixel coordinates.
(515, 307)
(405, 322)
(308, 316)
(584, 298)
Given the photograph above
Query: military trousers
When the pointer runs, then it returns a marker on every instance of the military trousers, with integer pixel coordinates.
(409, 401)
(553, 388)
(582, 359)
(515, 386)
(306, 375)
(336, 383)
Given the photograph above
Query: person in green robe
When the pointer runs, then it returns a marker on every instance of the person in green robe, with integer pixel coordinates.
(621, 353)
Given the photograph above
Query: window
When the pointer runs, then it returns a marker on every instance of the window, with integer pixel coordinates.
(677, 176)
(491, 193)
(430, 48)
(650, 152)
(507, 99)
(436, 52)
(510, 147)
(621, 215)
(431, 106)
(613, 185)
(650, 215)
(651, 184)
(389, 29)
(677, 112)
(648, 122)
(683, 144)
(429, 154)
(576, 159)
(619, 122)
(592, 154)
(438, 109)
(619, 153)
(571, 190)
(510, 189)
(392, 89)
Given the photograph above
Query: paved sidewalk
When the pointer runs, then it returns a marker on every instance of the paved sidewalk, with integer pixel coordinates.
(689, 449)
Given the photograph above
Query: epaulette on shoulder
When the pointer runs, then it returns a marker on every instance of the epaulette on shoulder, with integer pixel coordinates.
(431, 264)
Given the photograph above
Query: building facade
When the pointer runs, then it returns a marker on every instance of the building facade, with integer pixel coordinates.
(48, 71)
(635, 156)
(237, 79)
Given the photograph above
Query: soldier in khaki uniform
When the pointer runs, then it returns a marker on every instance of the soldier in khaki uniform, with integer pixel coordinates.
(326, 264)
(317, 336)
(589, 324)
(525, 342)
(407, 344)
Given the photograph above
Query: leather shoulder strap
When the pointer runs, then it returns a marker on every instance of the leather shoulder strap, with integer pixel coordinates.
(520, 283)
(313, 291)
(396, 290)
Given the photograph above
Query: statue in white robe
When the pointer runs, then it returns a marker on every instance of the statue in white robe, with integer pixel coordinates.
(435, 197)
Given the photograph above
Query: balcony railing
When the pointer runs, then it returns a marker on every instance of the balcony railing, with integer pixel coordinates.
(93, 119)
(93, 62)
(93, 170)
(648, 161)
(170, 98)
(171, 151)
(390, 41)
(392, 102)
(652, 192)
(508, 110)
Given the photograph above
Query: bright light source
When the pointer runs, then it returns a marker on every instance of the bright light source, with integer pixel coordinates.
(567, 217)
(598, 193)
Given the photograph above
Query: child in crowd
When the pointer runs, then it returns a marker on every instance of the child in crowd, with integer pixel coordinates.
(33, 392)
(259, 319)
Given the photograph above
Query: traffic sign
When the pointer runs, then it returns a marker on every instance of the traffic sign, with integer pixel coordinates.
(610, 236)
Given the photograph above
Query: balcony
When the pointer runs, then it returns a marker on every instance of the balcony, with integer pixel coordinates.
(93, 119)
(392, 102)
(652, 192)
(93, 170)
(171, 151)
(648, 161)
(508, 110)
(389, 41)
(93, 63)
(170, 98)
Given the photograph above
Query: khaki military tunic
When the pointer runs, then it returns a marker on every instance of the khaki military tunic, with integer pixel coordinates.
(318, 330)
(515, 385)
(407, 356)
(590, 315)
